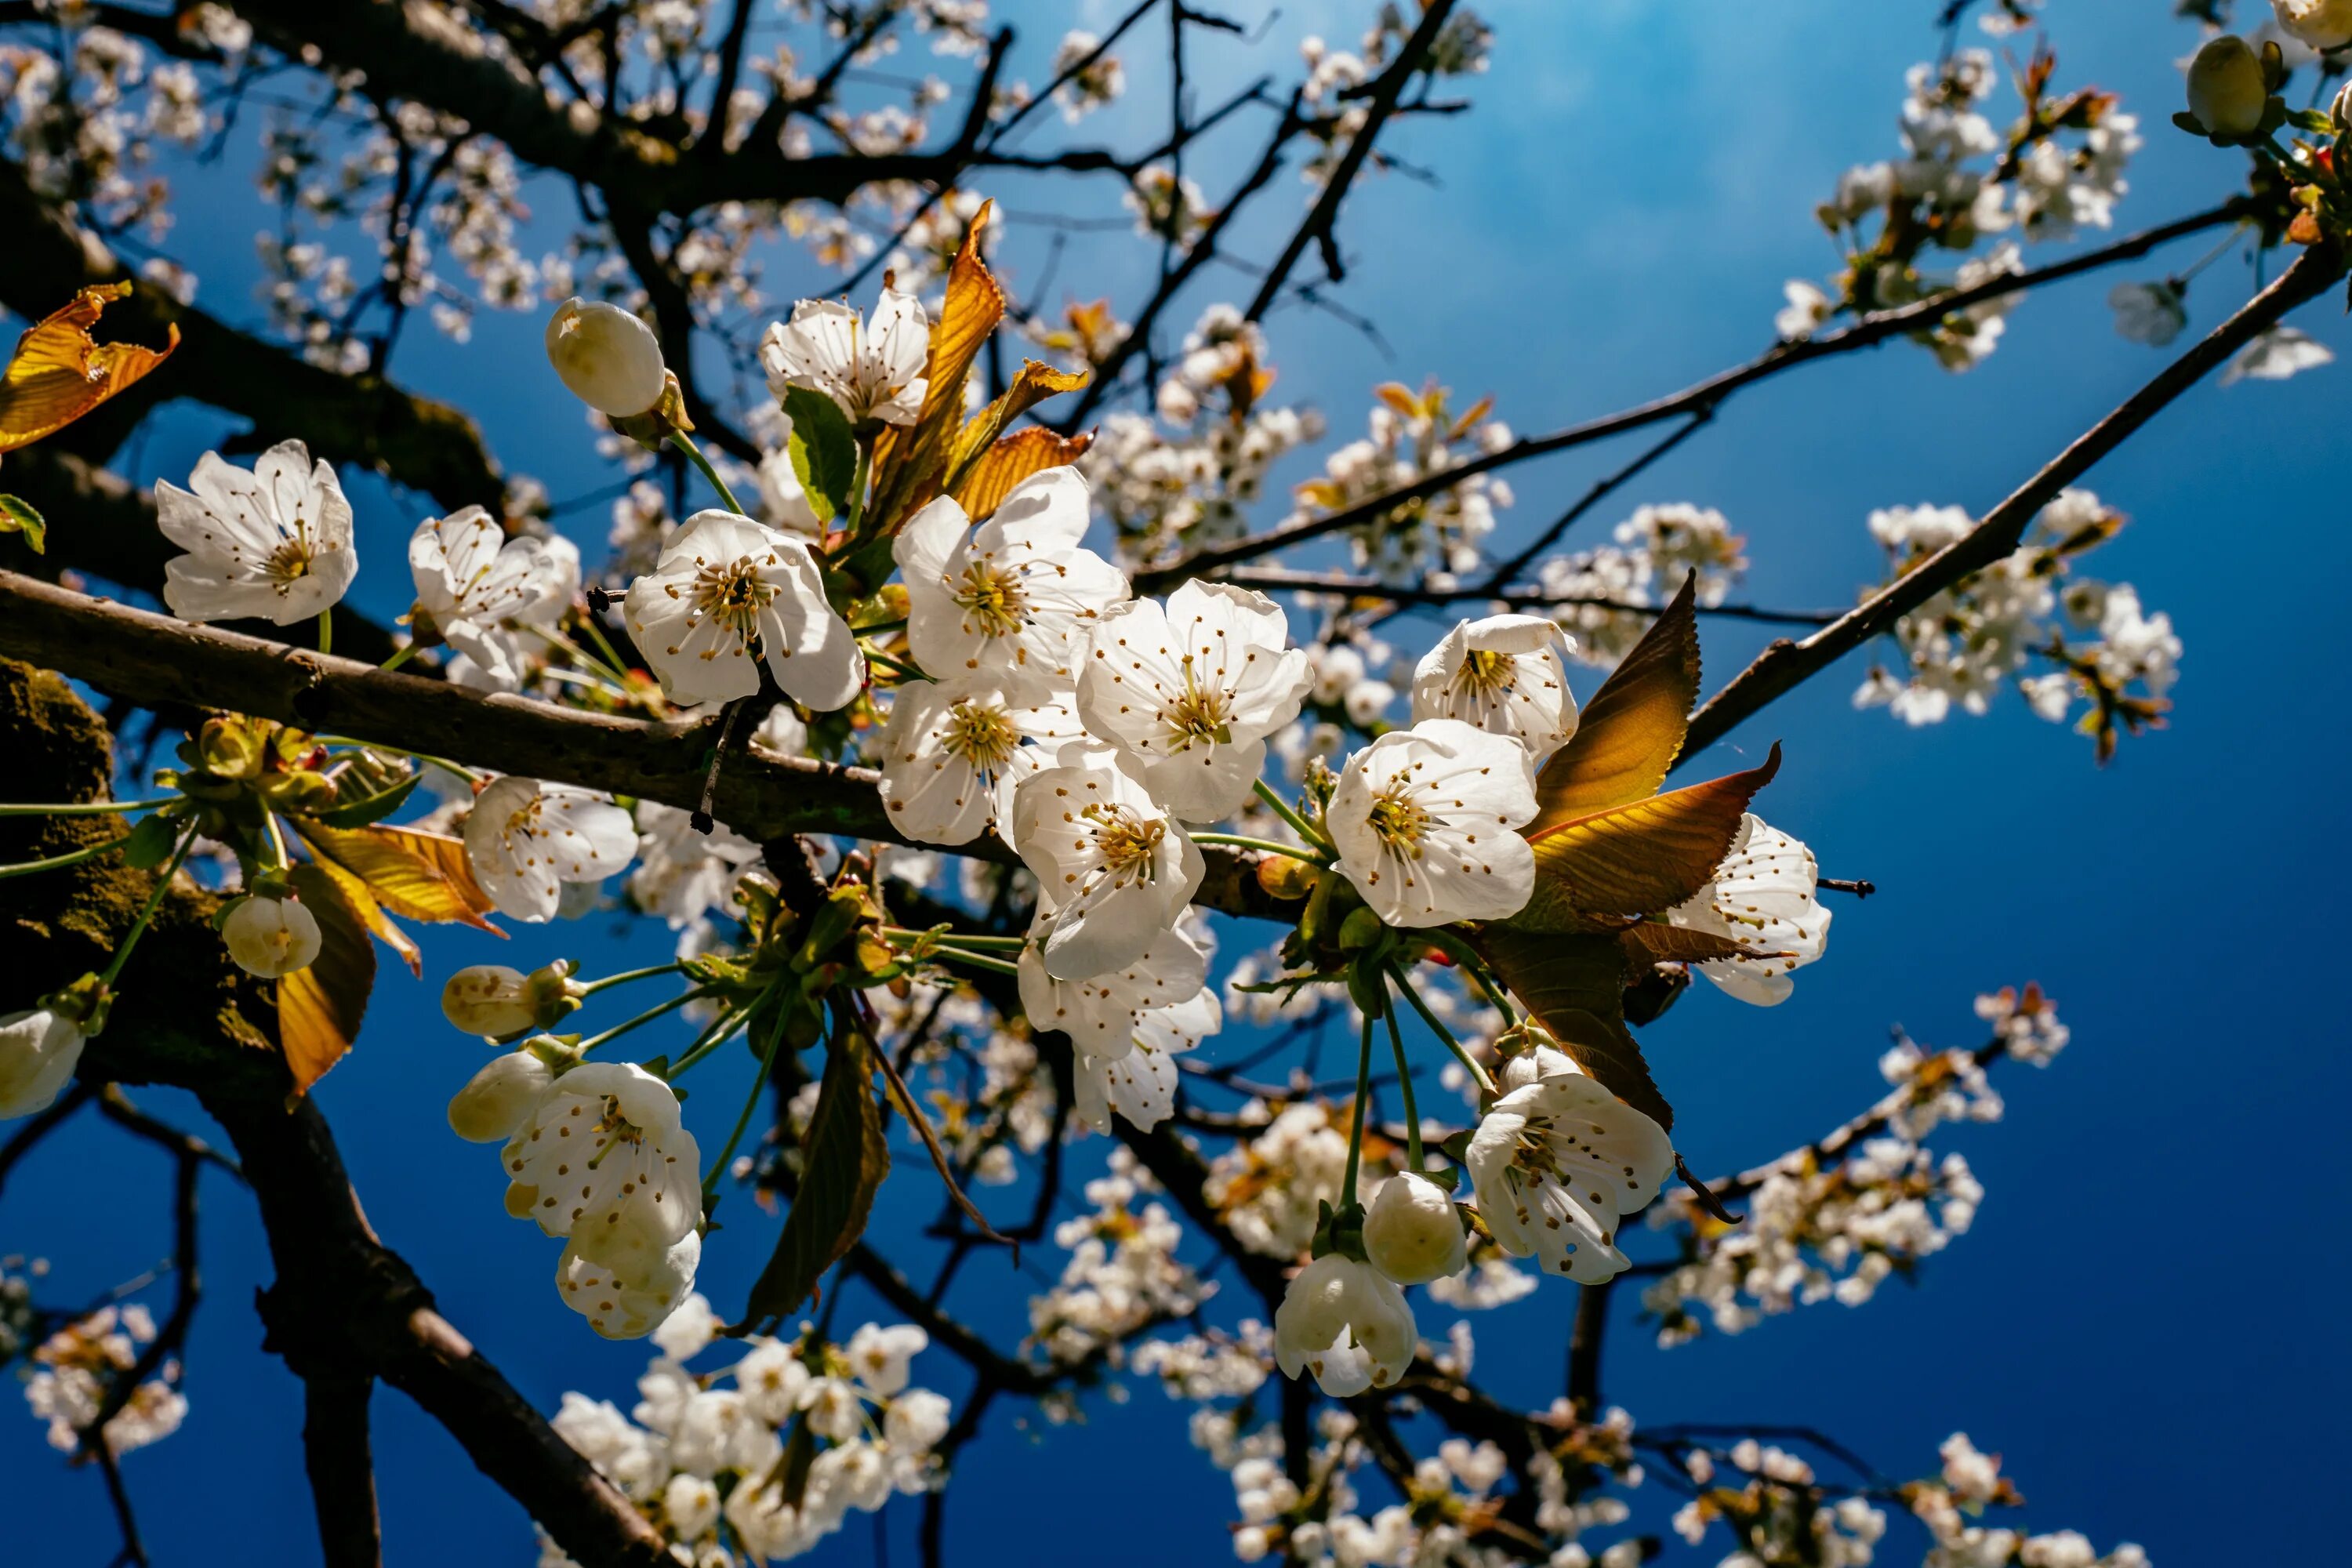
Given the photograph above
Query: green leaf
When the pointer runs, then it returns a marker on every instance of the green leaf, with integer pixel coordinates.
(2315, 121)
(823, 451)
(360, 811)
(1632, 729)
(319, 1008)
(1604, 871)
(17, 516)
(151, 843)
(844, 1160)
(1575, 986)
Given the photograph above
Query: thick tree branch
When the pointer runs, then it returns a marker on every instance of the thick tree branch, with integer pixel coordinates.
(1784, 664)
(336, 1455)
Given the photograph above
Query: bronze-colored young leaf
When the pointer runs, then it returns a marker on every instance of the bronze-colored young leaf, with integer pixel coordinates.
(60, 373)
(1632, 729)
(983, 487)
(372, 913)
(415, 875)
(319, 1008)
(1654, 942)
(904, 1099)
(1604, 871)
(1575, 986)
(907, 461)
(1037, 382)
(845, 1160)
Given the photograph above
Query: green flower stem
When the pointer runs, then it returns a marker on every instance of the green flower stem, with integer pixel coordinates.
(647, 1017)
(994, 965)
(722, 1030)
(278, 861)
(1299, 824)
(87, 808)
(880, 628)
(70, 857)
(685, 443)
(907, 933)
(751, 1100)
(460, 769)
(603, 644)
(857, 480)
(1455, 948)
(894, 666)
(1484, 1081)
(1268, 845)
(590, 987)
(400, 655)
(1356, 1130)
(1404, 1082)
(155, 901)
(587, 660)
(327, 629)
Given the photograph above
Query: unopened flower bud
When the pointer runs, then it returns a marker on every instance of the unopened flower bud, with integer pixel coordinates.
(271, 937)
(552, 994)
(38, 1051)
(488, 999)
(2226, 90)
(500, 1098)
(608, 357)
(1412, 1233)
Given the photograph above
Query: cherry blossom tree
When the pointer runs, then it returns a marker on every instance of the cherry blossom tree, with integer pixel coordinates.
(994, 758)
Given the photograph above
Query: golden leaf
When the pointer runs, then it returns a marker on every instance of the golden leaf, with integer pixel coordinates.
(907, 460)
(1037, 382)
(418, 876)
(372, 913)
(319, 1008)
(988, 481)
(1632, 729)
(59, 373)
(1575, 986)
(1604, 871)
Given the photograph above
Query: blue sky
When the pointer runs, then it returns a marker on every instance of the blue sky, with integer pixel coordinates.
(1613, 220)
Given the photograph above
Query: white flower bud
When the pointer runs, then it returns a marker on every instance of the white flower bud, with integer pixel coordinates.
(488, 999)
(38, 1051)
(499, 1099)
(1412, 1233)
(608, 358)
(271, 937)
(2226, 90)
(2322, 24)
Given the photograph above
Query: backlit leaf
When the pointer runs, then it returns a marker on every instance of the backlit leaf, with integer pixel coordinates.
(844, 1160)
(1575, 986)
(59, 373)
(415, 875)
(1654, 942)
(1037, 382)
(1607, 870)
(984, 485)
(1632, 729)
(907, 460)
(319, 1008)
(17, 515)
(372, 913)
(824, 451)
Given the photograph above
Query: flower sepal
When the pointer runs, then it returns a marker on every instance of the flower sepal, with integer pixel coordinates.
(654, 427)
(84, 1003)
(1338, 1230)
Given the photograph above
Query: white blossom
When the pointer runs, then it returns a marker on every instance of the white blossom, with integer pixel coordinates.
(497, 1101)
(273, 545)
(1099, 1013)
(1412, 1233)
(1019, 591)
(525, 839)
(627, 1297)
(2277, 354)
(1555, 1164)
(1192, 689)
(2149, 314)
(874, 370)
(728, 593)
(2322, 24)
(1426, 823)
(955, 749)
(605, 1160)
(1139, 1084)
(1341, 1321)
(1507, 675)
(1114, 868)
(270, 937)
(474, 584)
(1765, 894)
(38, 1051)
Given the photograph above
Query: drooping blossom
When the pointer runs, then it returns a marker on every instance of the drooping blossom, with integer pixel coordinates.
(525, 840)
(1556, 1164)
(1346, 1323)
(1766, 896)
(1114, 868)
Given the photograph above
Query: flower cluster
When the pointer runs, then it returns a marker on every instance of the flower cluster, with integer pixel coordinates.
(1414, 436)
(2106, 658)
(79, 1370)
(705, 1458)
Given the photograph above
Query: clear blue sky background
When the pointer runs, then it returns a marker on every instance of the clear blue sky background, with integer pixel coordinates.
(2135, 1321)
